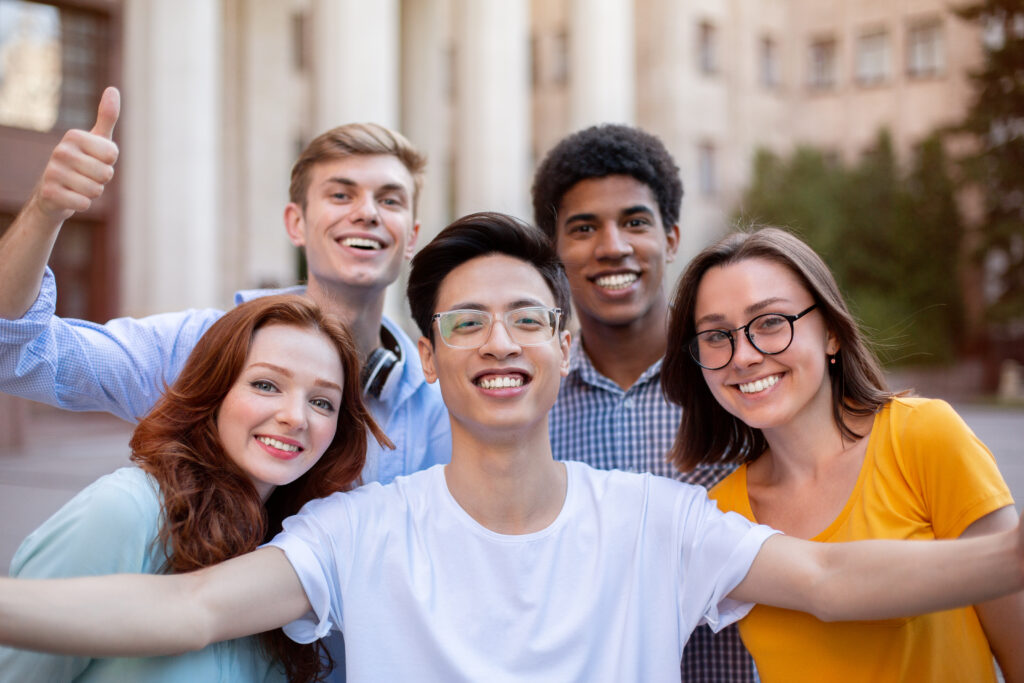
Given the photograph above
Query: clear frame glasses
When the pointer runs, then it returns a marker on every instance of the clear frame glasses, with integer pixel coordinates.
(466, 328)
(769, 333)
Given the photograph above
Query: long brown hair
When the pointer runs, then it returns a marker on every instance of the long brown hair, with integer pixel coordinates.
(707, 432)
(211, 510)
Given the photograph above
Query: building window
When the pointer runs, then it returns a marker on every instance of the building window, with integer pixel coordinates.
(707, 175)
(925, 51)
(822, 67)
(707, 48)
(51, 65)
(873, 58)
(768, 67)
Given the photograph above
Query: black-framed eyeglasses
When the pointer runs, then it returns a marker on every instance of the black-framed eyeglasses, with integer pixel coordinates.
(465, 328)
(769, 333)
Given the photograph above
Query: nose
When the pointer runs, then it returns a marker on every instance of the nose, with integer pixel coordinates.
(499, 343)
(744, 353)
(291, 412)
(612, 243)
(365, 210)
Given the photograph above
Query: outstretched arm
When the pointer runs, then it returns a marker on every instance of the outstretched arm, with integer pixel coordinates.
(883, 579)
(1002, 619)
(79, 168)
(126, 615)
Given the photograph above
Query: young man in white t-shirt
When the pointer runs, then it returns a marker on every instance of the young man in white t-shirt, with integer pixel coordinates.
(505, 564)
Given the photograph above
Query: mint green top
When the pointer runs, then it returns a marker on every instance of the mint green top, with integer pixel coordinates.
(110, 528)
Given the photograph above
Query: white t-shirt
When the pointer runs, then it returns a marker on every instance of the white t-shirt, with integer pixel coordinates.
(610, 591)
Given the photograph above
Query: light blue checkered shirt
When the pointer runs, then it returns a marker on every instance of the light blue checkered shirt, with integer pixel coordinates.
(597, 422)
(122, 368)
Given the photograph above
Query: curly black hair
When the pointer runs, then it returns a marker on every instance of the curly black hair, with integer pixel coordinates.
(599, 151)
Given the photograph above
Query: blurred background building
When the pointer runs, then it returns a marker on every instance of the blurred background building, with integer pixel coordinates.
(219, 96)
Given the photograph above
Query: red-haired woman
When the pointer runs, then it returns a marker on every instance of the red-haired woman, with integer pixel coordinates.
(265, 416)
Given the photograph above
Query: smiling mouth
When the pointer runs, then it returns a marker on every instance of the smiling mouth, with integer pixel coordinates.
(759, 385)
(279, 445)
(501, 381)
(616, 281)
(362, 243)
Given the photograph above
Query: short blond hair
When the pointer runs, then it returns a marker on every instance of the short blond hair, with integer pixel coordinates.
(354, 139)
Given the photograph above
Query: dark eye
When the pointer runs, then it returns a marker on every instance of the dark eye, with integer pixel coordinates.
(637, 223)
(715, 338)
(323, 404)
(528, 321)
(339, 195)
(466, 325)
(581, 229)
(768, 324)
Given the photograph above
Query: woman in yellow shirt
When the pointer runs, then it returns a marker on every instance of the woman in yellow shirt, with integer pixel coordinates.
(771, 371)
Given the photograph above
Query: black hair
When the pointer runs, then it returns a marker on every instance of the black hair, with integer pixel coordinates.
(472, 236)
(605, 150)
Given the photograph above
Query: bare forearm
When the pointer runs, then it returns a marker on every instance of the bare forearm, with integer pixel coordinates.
(79, 168)
(883, 579)
(24, 250)
(120, 615)
(142, 614)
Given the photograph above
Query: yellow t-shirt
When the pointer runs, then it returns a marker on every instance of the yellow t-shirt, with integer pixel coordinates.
(925, 475)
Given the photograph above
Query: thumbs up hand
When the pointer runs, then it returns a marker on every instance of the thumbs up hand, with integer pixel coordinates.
(81, 165)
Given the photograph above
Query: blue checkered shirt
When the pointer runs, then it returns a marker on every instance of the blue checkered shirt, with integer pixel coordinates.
(597, 422)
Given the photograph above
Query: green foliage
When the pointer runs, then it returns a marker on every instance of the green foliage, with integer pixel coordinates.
(996, 120)
(892, 238)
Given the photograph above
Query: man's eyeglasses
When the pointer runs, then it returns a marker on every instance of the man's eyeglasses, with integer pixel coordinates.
(470, 329)
(769, 333)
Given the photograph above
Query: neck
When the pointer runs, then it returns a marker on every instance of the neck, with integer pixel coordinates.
(808, 444)
(360, 310)
(509, 483)
(624, 352)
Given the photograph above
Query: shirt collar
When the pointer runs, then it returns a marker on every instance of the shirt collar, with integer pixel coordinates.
(583, 368)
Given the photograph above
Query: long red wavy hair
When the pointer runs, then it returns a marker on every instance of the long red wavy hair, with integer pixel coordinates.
(211, 510)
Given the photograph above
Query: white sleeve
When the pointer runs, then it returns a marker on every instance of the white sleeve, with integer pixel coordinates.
(314, 553)
(717, 550)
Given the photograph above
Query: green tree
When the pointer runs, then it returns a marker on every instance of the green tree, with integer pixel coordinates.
(891, 237)
(995, 121)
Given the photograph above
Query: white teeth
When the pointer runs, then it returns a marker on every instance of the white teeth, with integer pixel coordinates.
(506, 382)
(617, 281)
(279, 445)
(759, 385)
(361, 243)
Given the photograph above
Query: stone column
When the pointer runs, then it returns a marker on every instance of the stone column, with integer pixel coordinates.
(602, 63)
(356, 64)
(170, 163)
(267, 140)
(492, 91)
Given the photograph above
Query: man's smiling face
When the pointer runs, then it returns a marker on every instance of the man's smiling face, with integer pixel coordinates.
(614, 246)
(502, 386)
(357, 226)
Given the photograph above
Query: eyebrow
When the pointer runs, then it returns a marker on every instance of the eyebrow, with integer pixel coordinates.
(348, 182)
(511, 306)
(752, 309)
(288, 373)
(628, 211)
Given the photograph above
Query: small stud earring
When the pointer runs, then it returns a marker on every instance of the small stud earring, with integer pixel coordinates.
(832, 360)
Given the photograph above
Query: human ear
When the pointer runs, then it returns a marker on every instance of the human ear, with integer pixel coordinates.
(426, 350)
(295, 224)
(564, 344)
(671, 243)
(410, 247)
